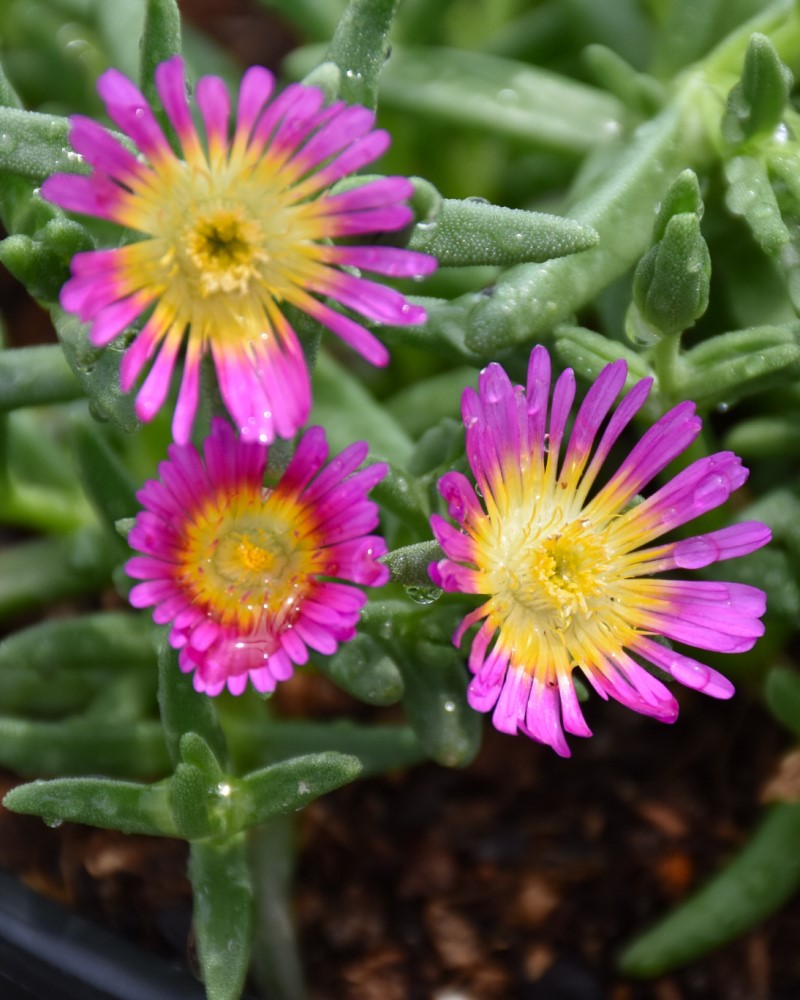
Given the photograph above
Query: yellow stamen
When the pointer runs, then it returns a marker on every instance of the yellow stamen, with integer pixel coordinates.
(224, 250)
(242, 558)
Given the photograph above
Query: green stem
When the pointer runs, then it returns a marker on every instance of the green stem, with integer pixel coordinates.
(665, 358)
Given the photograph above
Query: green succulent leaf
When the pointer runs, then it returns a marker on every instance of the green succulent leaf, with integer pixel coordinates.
(34, 376)
(682, 198)
(184, 710)
(108, 639)
(409, 565)
(782, 691)
(435, 702)
(349, 413)
(360, 47)
(750, 195)
(439, 446)
(426, 401)
(104, 802)
(97, 371)
(105, 479)
(733, 365)
(41, 263)
(671, 282)
(753, 885)
(766, 437)
(757, 102)
(470, 232)
(291, 784)
(643, 94)
(223, 914)
(189, 795)
(403, 495)
(161, 39)
(37, 572)
(588, 352)
(363, 669)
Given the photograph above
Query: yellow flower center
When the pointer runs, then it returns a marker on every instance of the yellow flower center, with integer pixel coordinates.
(244, 559)
(548, 578)
(223, 250)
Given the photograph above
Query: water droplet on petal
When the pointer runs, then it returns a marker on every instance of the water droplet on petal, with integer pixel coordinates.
(696, 552)
(711, 492)
(693, 674)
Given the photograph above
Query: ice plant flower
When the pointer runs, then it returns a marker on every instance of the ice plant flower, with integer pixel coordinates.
(566, 561)
(237, 569)
(239, 225)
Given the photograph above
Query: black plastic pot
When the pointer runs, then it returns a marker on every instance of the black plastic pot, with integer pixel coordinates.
(47, 953)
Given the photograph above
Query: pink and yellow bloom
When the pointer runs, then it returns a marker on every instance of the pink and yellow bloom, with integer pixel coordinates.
(567, 563)
(239, 225)
(242, 572)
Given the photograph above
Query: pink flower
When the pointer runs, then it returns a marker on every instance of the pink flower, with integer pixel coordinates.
(238, 227)
(567, 563)
(236, 568)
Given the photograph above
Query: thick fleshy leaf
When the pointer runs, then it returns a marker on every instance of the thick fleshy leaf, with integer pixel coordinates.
(223, 914)
(161, 38)
(34, 376)
(103, 802)
(115, 639)
(506, 97)
(750, 194)
(671, 282)
(35, 573)
(75, 746)
(473, 232)
(106, 481)
(409, 565)
(345, 408)
(36, 145)
(276, 961)
(436, 704)
(588, 352)
(362, 668)
(782, 691)
(730, 366)
(289, 785)
(184, 710)
(360, 47)
(97, 371)
(41, 262)
(756, 104)
(753, 885)
(189, 801)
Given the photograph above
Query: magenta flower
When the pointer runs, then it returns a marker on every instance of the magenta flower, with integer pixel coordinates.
(239, 226)
(236, 568)
(567, 564)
